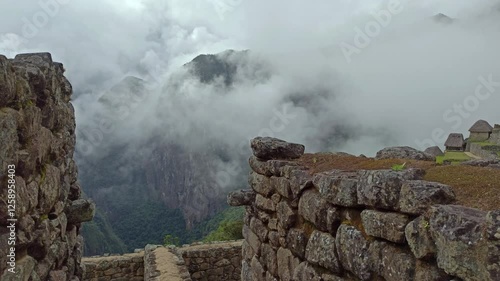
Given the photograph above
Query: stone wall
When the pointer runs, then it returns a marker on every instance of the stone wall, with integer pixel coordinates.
(220, 261)
(495, 135)
(37, 142)
(213, 261)
(358, 225)
(477, 149)
(113, 268)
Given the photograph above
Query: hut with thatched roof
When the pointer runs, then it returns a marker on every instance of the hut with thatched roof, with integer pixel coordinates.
(455, 142)
(434, 151)
(480, 131)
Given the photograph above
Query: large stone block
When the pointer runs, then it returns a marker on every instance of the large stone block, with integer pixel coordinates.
(265, 204)
(269, 259)
(337, 187)
(300, 180)
(492, 233)
(296, 241)
(267, 148)
(321, 251)
(241, 198)
(352, 250)
(391, 262)
(260, 184)
(269, 167)
(390, 226)
(417, 196)
(306, 272)
(257, 227)
(282, 186)
(419, 238)
(314, 208)
(286, 264)
(461, 249)
(286, 215)
(381, 188)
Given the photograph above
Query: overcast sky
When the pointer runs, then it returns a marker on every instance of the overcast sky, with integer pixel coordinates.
(404, 84)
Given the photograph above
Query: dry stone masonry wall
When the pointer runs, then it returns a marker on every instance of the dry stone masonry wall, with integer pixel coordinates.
(37, 140)
(214, 261)
(358, 225)
(128, 267)
(217, 261)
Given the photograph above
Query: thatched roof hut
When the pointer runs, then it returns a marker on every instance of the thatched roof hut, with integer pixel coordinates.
(434, 151)
(481, 126)
(455, 141)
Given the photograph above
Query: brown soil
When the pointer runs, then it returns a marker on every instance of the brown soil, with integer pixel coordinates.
(166, 265)
(474, 187)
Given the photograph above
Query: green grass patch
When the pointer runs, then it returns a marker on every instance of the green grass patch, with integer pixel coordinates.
(454, 157)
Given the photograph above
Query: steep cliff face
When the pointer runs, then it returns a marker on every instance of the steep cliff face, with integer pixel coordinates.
(37, 173)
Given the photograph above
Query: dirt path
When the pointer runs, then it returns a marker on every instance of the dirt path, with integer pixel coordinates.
(472, 155)
(166, 265)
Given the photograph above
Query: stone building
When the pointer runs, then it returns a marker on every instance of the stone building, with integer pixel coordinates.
(455, 142)
(480, 131)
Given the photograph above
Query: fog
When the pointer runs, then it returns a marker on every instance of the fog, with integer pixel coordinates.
(409, 80)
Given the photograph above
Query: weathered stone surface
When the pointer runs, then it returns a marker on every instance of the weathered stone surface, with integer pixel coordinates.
(404, 152)
(321, 251)
(492, 233)
(274, 237)
(81, 210)
(252, 239)
(258, 272)
(417, 196)
(271, 148)
(241, 198)
(269, 259)
(481, 162)
(282, 186)
(38, 137)
(425, 271)
(269, 167)
(419, 238)
(460, 246)
(337, 187)
(264, 204)
(299, 180)
(390, 226)
(246, 271)
(286, 264)
(314, 208)
(381, 188)
(247, 251)
(296, 241)
(261, 184)
(257, 227)
(306, 272)
(286, 215)
(391, 262)
(352, 250)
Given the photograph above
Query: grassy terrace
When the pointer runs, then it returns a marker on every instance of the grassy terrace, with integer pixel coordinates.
(474, 187)
(453, 157)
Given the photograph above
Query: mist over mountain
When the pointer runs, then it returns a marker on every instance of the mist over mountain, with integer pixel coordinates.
(169, 93)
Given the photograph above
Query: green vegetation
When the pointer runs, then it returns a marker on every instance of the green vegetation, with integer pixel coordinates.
(454, 157)
(226, 225)
(171, 240)
(100, 238)
(397, 167)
